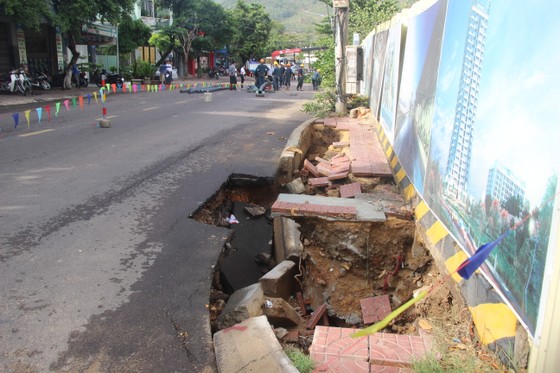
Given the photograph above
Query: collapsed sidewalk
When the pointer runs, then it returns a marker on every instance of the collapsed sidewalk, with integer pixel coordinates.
(346, 255)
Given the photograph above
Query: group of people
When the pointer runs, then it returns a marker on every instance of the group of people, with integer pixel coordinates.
(282, 76)
(232, 71)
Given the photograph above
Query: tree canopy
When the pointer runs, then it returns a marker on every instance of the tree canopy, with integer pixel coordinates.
(198, 25)
(69, 15)
(252, 26)
(133, 33)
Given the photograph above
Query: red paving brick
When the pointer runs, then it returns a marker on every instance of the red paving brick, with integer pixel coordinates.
(333, 350)
(368, 157)
(396, 349)
(342, 175)
(319, 181)
(350, 190)
(310, 167)
(375, 309)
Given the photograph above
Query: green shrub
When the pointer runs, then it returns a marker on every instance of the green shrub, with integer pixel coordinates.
(322, 105)
(354, 101)
(302, 362)
(142, 69)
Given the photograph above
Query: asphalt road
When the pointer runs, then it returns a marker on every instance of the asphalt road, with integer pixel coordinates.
(101, 270)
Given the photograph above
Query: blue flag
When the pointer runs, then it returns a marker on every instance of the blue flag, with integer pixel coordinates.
(16, 119)
(469, 266)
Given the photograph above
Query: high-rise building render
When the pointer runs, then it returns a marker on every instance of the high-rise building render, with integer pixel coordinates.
(502, 184)
(459, 157)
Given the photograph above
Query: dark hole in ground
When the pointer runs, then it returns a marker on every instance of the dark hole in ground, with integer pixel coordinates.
(243, 205)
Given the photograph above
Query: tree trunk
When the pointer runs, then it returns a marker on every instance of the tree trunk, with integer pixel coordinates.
(75, 55)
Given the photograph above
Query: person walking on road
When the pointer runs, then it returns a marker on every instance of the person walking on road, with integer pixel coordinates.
(260, 73)
(276, 76)
(232, 71)
(288, 76)
(300, 78)
(162, 71)
(169, 73)
(316, 79)
(242, 74)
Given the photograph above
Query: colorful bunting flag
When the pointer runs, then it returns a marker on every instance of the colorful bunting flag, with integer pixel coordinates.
(16, 119)
(73, 101)
(114, 87)
(57, 107)
(135, 88)
(66, 102)
(27, 114)
(88, 98)
(469, 266)
(95, 97)
(48, 110)
(39, 113)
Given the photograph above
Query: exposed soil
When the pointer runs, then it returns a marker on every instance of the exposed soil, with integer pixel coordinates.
(344, 262)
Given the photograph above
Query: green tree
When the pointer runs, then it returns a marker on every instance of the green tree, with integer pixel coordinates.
(69, 15)
(29, 14)
(72, 15)
(252, 26)
(133, 34)
(514, 205)
(366, 14)
(197, 24)
(165, 41)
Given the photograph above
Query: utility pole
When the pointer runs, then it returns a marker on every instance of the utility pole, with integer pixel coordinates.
(340, 39)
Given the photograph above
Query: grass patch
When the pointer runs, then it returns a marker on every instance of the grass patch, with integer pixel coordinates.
(302, 361)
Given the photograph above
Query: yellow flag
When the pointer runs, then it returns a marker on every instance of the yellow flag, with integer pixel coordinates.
(390, 317)
(27, 113)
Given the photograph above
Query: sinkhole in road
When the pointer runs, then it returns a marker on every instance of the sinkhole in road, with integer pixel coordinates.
(341, 263)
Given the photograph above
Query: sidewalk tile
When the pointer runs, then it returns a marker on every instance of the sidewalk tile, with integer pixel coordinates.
(375, 309)
(396, 349)
(350, 190)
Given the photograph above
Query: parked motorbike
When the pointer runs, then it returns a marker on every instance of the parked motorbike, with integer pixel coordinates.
(20, 83)
(213, 74)
(40, 80)
(110, 78)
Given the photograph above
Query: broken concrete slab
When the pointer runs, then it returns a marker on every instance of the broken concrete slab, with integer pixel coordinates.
(287, 239)
(251, 346)
(286, 204)
(255, 211)
(280, 313)
(296, 186)
(280, 281)
(242, 304)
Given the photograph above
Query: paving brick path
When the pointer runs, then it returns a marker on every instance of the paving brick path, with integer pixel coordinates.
(333, 350)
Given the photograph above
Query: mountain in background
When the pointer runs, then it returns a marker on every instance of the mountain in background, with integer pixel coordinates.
(298, 16)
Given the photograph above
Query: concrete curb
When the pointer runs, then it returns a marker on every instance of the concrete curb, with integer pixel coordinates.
(291, 159)
(251, 346)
